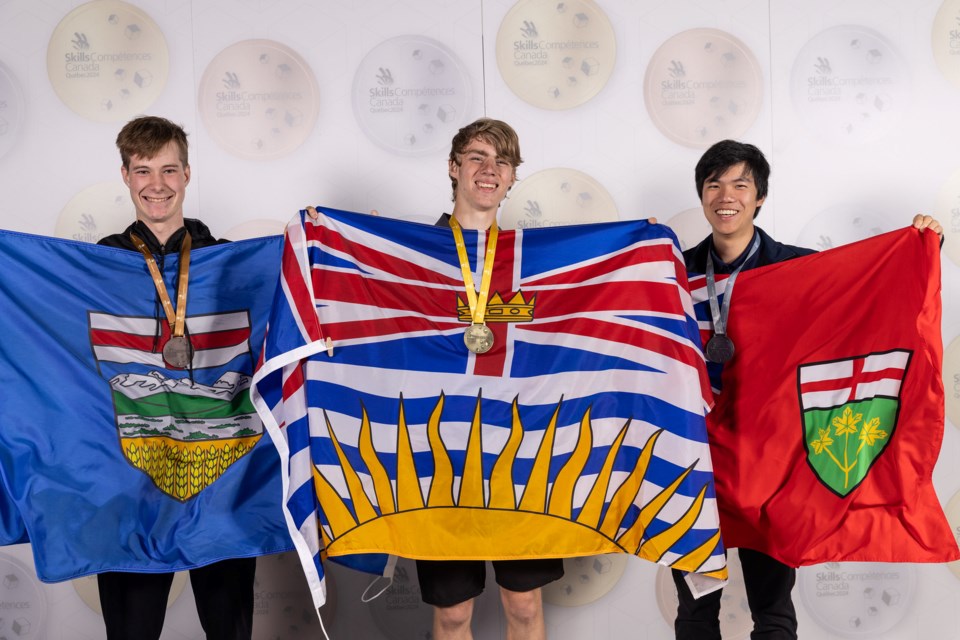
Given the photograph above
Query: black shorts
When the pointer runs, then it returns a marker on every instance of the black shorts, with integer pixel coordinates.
(444, 583)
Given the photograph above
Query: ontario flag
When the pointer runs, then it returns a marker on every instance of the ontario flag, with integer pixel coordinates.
(580, 432)
(110, 460)
(830, 416)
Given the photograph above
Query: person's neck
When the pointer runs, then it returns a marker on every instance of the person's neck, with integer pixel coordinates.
(473, 219)
(162, 231)
(729, 248)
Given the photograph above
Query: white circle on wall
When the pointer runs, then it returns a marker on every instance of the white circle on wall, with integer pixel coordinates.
(585, 579)
(22, 600)
(857, 599)
(843, 224)
(735, 620)
(556, 55)
(945, 39)
(701, 86)
(557, 197)
(97, 211)
(107, 61)
(256, 229)
(411, 95)
(947, 210)
(951, 381)
(86, 587)
(282, 605)
(258, 99)
(11, 109)
(691, 227)
(849, 84)
(952, 512)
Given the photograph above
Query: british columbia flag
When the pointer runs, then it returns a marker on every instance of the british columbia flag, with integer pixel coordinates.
(580, 432)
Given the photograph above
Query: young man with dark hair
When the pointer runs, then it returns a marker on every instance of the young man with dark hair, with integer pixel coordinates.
(483, 160)
(156, 170)
(731, 179)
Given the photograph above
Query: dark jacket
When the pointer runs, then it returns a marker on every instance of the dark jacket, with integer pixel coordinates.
(200, 236)
(770, 252)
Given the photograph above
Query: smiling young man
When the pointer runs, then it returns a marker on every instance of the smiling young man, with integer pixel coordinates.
(483, 163)
(155, 167)
(731, 179)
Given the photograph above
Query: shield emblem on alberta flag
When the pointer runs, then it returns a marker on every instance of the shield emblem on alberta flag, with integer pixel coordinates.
(181, 428)
(850, 409)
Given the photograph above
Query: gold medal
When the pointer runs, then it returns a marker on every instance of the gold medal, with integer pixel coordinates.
(478, 338)
(177, 352)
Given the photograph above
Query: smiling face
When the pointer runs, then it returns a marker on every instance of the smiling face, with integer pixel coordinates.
(483, 178)
(730, 203)
(158, 186)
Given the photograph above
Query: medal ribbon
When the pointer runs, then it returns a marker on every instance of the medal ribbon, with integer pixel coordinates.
(476, 299)
(176, 319)
(719, 314)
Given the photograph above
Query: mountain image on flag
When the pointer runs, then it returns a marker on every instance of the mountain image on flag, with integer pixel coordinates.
(581, 431)
(182, 433)
(850, 409)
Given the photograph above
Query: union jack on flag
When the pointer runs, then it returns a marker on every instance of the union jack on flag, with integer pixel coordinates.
(580, 432)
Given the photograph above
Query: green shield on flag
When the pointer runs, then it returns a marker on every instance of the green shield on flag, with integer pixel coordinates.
(850, 409)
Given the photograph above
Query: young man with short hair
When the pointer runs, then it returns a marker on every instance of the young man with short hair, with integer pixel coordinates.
(156, 170)
(483, 160)
(731, 179)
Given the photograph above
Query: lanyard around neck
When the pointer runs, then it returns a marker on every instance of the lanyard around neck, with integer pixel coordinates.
(175, 317)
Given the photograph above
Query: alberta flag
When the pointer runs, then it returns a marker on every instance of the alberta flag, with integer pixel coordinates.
(580, 432)
(830, 416)
(110, 460)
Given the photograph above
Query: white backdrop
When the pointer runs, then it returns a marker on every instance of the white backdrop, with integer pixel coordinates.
(351, 104)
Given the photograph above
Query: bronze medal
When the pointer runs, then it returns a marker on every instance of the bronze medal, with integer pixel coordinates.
(478, 338)
(178, 352)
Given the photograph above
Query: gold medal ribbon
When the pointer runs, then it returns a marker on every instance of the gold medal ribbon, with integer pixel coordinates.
(476, 299)
(176, 318)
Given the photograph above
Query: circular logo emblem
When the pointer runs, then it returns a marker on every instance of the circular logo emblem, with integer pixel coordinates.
(843, 224)
(97, 211)
(258, 99)
(691, 227)
(857, 599)
(556, 55)
(107, 61)
(951, 381)
(282, 606)
(735, 620)
(849, 84)
(410, 95)
(948, 212)
(11, 109)
(585, 579)
(952, 511)
(701, 86)
(86, 587)
(945, 40)
(554, 198)
(21, 600)
(256, 229)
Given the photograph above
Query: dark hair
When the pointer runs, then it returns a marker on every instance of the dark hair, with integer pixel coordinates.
(496, 133)
(728, 153)
(147, 135)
